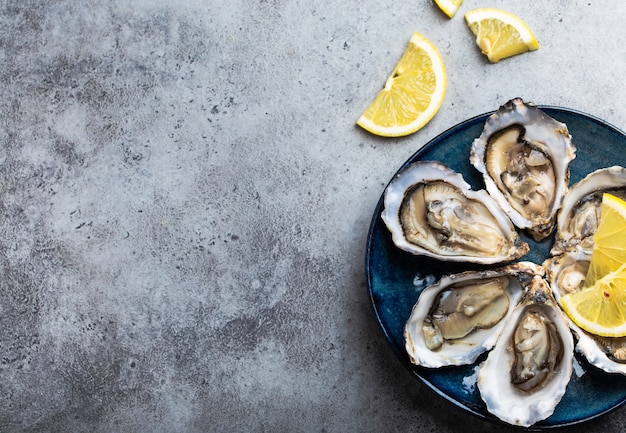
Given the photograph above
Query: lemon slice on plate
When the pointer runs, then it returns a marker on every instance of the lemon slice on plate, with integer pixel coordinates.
(449, 7)
(601, 308)
(609, 240)
(412, 94)
(500, 34)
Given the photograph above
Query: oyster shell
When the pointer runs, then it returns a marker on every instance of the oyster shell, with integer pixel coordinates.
(524, 156)
(579, 216)
(526, 373)
(430, 210)
(460, 317)
(566, 274)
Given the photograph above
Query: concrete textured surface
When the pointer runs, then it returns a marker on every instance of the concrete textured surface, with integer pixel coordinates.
(185, 200)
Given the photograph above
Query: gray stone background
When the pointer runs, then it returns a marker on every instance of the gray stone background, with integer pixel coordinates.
(185, 201)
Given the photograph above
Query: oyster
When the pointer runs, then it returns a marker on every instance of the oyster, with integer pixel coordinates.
(566, 274)
(526, 373)
(524, 156)
(430, 210)
(579, 216)
(460, 317)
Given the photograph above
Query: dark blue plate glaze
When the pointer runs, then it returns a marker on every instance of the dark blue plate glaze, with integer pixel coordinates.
(391, 272)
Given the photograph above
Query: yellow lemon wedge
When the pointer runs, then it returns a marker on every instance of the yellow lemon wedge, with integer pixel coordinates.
(601, 308)
(412, 94)
(500, 34)
(609, 240)
(449, 7)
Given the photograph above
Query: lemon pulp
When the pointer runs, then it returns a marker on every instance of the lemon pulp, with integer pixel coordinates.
(609, 240)
(601, 308)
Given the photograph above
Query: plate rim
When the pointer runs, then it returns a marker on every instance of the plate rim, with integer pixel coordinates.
(412, 369)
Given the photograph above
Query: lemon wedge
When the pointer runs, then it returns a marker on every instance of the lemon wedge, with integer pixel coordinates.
(449, 7)
(601, 308)
(500, 34)
(412, 94)
(609, 240)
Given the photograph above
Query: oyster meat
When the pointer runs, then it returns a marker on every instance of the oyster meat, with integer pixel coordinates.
(579, 216)
(566, 274)
(430, 210)
(526, 373)
(460, 317)
(524, 156)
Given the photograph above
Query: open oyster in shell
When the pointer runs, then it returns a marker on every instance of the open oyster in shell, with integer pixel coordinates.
(566, 274)
(526, 373)
(579, 216)
(524, 156)
(430, 210)
(460, 317)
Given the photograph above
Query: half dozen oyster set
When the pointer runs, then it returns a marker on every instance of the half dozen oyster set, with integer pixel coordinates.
(512, 310)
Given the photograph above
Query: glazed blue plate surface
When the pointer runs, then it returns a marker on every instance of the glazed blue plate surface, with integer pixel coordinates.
(392, 273)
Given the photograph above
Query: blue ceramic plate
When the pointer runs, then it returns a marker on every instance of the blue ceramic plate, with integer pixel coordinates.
(391, 273)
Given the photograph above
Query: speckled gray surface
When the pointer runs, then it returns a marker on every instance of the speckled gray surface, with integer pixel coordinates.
(185, 201)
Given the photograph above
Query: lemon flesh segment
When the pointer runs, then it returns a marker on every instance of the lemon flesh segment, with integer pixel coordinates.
(449, 7)
(609, 240)
(500, 34)
(601, 308)
(412, 94)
